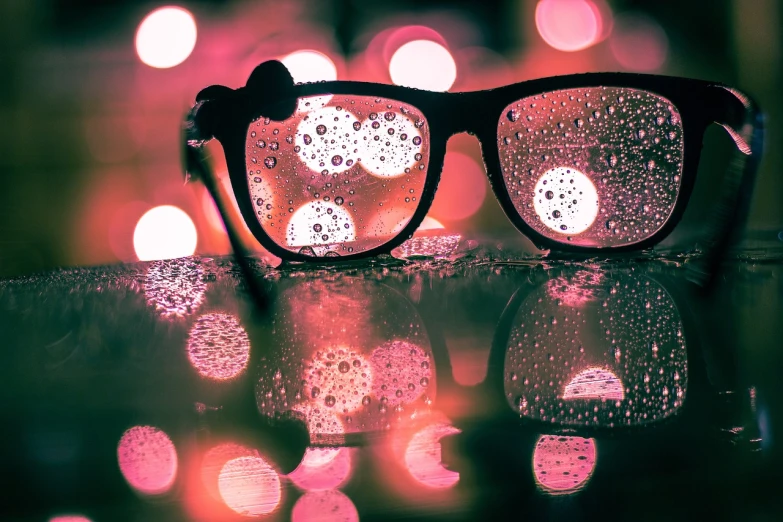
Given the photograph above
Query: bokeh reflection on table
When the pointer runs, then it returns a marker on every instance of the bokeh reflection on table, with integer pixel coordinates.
(596, 348)
(348, 400)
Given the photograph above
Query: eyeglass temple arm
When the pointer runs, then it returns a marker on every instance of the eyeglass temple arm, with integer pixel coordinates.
(195, 135)
(742, 119)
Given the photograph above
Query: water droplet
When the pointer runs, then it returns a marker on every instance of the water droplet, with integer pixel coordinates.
(307, 139)
(512, 115)
(274, 145)
(417, 140)
(330, 401)
(338, 200)
(317, 227)
(389, 116)
(366, 400)
(315, 392)
(270, 162)
(424, 381)
(260, 144)
(578, 123)
(337, 160)
(343, 367)
(556, 214)
(549, 194)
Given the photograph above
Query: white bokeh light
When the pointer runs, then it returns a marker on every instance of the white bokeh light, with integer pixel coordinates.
(320, 223)
(423, 64)
(164, 232)
(166, 37)
(310, 66)
(568, 25)
(325, 137)
(595, 383)
(393, 144)
(565, 200)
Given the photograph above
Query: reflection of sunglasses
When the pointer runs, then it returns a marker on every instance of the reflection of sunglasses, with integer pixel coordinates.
(587, 351)
(591, 162)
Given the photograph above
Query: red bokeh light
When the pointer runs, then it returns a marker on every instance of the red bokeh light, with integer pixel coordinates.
(147, 459)
(69, 518)
(638, 43)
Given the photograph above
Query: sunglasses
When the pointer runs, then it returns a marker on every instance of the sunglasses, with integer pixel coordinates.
(590, 163)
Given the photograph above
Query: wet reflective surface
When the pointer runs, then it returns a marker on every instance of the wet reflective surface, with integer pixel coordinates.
(450, 388)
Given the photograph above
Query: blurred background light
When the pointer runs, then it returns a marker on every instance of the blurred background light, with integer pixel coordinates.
(423, 64)
(462, 188)
(164, 232)
(69, 518)
(568, 25)
(322, 469)
(638, 43)
(147, 459)
(250, 486)
(310, 66)
(166, 37)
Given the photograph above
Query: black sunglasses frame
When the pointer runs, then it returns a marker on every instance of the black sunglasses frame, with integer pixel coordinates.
(225, 114)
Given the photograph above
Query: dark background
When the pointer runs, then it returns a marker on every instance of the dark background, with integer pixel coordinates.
(89, 133)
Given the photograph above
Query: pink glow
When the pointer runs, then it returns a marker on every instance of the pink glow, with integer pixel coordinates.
(402, 371)
(218, 346)
(462, 188)
(568, 25)
(638, 43)
(70, 518)
(321, 421)
(563, 465)
(595, 383)
(423, 457)
(166, 37)
(164, 232)
(322, 469)
(147, 459)
(324, 506)
(423, 64)
(250, 486)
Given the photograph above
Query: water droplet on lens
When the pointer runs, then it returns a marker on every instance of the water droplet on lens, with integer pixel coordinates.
(270, 162)
(315, 392)
(260, 144)
(330, 401)
(338, 200)
(307, 139)
(417, 140)
(366, 400)
(556, 214)
(389, 116)
(343, 367)
(512, 115)
(320, 130)
(337, 160)
(549, 194)
(578, 123)
(424, 382)
(317, 227)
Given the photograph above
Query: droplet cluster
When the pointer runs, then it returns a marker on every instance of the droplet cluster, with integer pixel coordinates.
(344, 174)
(628, 143)
(596, 349)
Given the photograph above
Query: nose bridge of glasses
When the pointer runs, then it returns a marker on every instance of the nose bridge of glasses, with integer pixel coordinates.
(466, 112)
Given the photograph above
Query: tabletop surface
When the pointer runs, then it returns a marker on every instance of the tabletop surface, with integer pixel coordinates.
(459, 384)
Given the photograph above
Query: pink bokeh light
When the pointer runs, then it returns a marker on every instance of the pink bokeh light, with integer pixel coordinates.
(250, 486)
(147, 459)
(423, 457)
(322, 469)
(324, 506)
(568, 25)
(563, 465)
